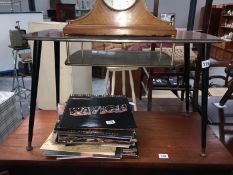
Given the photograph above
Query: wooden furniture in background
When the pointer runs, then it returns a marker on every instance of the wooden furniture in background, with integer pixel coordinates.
(65, 12)
(221, 24)
(167, 78)
(221, 52)
(216, 22)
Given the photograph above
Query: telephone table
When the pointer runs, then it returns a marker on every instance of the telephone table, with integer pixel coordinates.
(92, 58)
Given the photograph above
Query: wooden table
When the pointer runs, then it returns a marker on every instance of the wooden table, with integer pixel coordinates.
(158, 132)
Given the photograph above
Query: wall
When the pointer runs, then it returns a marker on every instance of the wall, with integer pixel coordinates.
(179, 7)
(70, 83)
(45, 5)
(42, 6)
(6, 60)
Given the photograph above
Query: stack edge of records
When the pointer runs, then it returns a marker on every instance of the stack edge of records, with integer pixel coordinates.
(93, 127)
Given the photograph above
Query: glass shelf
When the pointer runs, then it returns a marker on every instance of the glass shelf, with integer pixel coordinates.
(181, 37)
(119, 58)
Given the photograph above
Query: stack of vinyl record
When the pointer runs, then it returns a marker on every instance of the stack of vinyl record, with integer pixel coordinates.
(9, 119)
(94, 126)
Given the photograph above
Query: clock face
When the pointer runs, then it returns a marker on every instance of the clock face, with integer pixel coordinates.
(119, 4)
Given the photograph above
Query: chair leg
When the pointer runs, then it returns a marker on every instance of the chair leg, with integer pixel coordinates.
(106, 82)
(143, 85)
(197, 77)
(113, 82)
(182, 95)
(150, 86)
(175, 92)
(226, 80)
(123, 82)
(132, 90)
(141, 81)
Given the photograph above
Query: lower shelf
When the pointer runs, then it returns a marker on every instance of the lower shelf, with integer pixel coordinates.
(119, 58)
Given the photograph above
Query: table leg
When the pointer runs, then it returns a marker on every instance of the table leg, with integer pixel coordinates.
(57, 69)
(192, 12)
(204, 106)
(34, 87)
(206, 15)
(186, 73)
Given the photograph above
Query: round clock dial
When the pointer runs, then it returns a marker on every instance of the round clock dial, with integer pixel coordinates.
(119, 4)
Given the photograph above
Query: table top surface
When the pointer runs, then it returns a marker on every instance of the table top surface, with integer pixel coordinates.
(172, 133)
(181, 37)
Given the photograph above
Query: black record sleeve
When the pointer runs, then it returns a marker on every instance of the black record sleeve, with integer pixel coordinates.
(103, 112)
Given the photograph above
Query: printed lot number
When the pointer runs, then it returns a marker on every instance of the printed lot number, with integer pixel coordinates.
(163, 156)
(110, 122)
(205, 63)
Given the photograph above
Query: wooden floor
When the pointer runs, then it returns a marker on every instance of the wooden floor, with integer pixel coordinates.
(172, 133)
(163, 105)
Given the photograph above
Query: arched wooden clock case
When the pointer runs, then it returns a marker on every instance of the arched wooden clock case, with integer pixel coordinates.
(106, 19)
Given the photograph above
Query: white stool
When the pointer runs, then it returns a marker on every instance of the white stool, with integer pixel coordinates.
(122, 69)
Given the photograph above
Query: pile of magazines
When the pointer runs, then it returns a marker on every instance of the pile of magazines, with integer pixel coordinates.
(94, 126)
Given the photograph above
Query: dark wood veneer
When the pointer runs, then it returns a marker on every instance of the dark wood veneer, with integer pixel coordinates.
(158, 132)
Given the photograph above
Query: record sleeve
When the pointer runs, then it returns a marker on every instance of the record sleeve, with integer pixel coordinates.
(102, 112)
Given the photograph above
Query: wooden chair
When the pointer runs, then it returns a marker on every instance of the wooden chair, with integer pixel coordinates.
(228, 95)
(165, 78)
(190, 25)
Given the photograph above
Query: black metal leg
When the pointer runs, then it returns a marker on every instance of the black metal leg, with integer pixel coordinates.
(186, 73)
(192, 11)
(57, 69)
(34, 87)
(191, 19)
(206, 15)
(204, 100)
